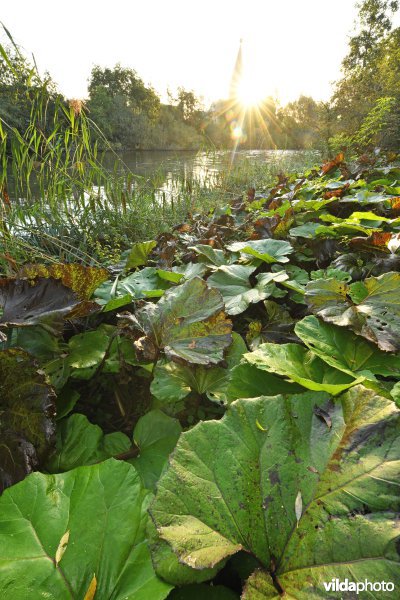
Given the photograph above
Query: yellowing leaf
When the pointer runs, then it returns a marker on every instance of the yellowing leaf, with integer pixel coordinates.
(62, 546)
(91, 589)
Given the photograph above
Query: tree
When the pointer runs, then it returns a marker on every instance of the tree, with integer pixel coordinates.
(375, 22)
(125, 82)
(371, 71)
(306, 123)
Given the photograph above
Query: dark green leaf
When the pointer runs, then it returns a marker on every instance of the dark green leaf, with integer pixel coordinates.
(188, 323)
(155, 435)
(27, 417)
(81, 443)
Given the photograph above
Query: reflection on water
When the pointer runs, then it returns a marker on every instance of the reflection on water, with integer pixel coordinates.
(165, 175)
(170, 172)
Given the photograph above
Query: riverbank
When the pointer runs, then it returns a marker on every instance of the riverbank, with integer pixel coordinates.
(110, 205)
(243, 367)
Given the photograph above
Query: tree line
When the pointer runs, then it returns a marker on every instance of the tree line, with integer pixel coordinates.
(364, 109)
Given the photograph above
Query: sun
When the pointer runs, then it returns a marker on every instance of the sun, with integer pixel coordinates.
(251, 91)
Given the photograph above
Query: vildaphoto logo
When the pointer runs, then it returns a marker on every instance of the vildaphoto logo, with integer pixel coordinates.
(336, 585)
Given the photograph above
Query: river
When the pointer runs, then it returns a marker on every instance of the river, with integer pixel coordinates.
(169, 169)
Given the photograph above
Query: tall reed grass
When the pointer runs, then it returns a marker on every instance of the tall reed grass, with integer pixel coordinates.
(59, 202)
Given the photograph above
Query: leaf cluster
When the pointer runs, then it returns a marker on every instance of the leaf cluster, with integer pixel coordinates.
(219, 416)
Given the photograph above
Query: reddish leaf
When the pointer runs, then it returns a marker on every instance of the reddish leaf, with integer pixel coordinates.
(329, 166)
(378, 240)
(339, 193)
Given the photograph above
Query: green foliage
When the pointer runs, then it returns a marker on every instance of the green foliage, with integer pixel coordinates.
(71, 452)
(364, 113)
(370, 309)
(155, 436)
(27, 410)
(301, 366)
(374, 122)
(211, 411)
(288, 480)
(188, 324)
(71, 536)
(236, 289)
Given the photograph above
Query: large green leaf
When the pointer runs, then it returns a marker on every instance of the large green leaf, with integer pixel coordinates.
(80, 443)
(307, 485)
(268, 250)
(58, 532)
(155, 436)
(371, 308)
(145, 283)
(248, 381)
(172, 382)
(87, 349)
(302, 366)
(139, 254)
(27, 416)
(344, 350)
(188, 324)
(233, 283)
(211, 256)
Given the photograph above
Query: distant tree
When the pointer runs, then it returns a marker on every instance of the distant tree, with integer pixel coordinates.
(306, 123)
(125, 82)
(188, 103)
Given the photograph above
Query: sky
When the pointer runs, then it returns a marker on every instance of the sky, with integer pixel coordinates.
(290, 47)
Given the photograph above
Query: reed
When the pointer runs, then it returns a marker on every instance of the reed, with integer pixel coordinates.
(59, 202)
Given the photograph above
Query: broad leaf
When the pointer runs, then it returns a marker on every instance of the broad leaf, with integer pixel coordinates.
(234, 484)
(82, 280)
(155, 436)
(371, 309)
(210, 256)
(80, 443)
(87, 349)
(45, 302)
(236, 289)
(172, 382)
(145, 283)
(302, 366)
(188, 324)
(248, 381)
(27, 416)
(139, 254)
(103, 511)
(167, 565)
(344, 350)
(268, 250)
(190, 270)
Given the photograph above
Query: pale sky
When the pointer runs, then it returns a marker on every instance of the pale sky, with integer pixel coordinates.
(290, 47)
